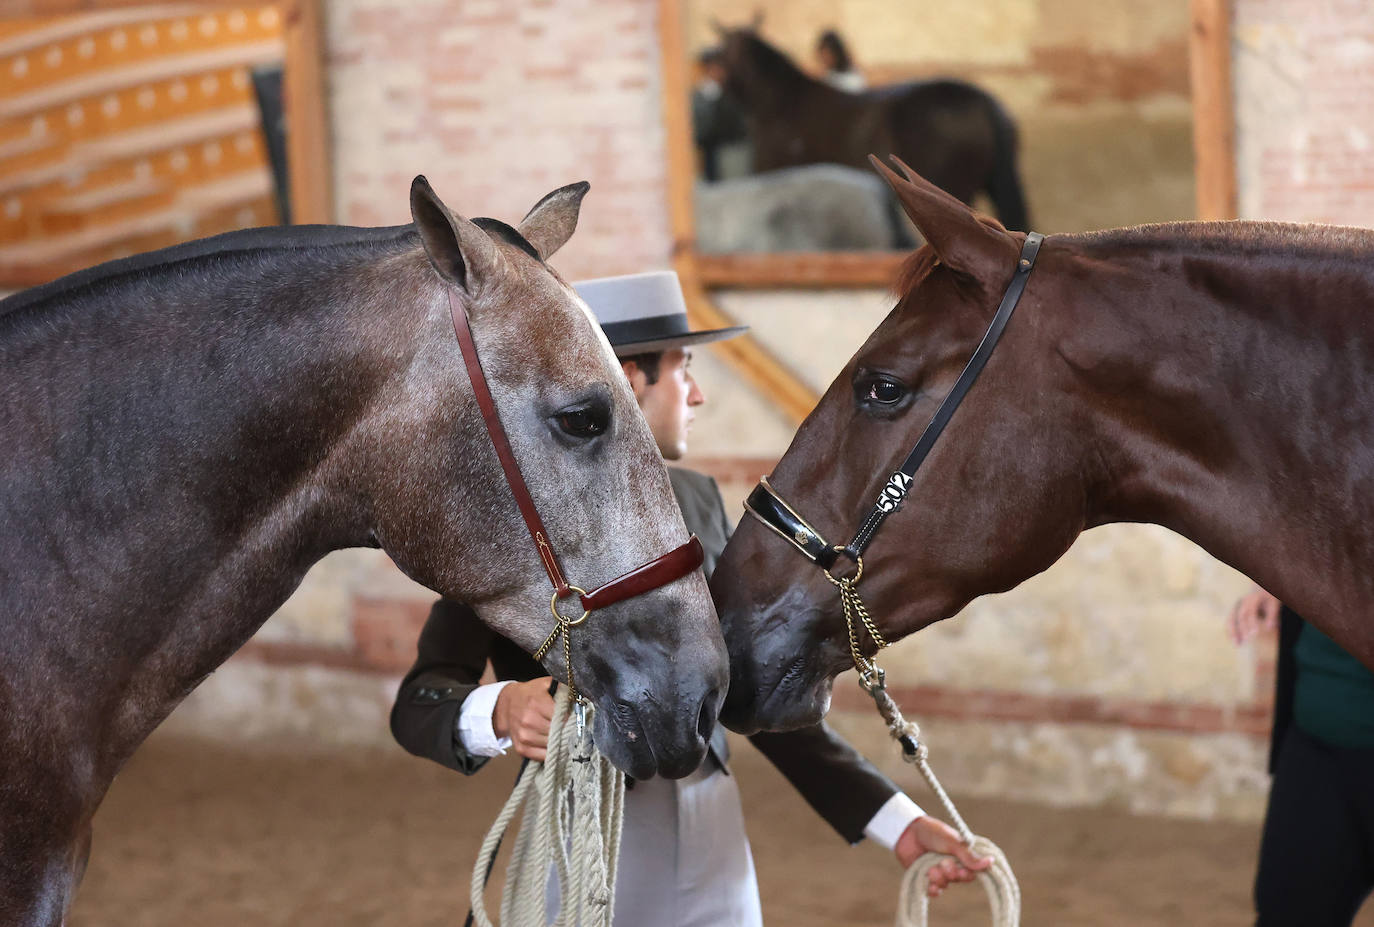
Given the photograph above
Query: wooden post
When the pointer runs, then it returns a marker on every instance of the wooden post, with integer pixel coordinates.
(308, 164)
(1214, 127)
(744, 355)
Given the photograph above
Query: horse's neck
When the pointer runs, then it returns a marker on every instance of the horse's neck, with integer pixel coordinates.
(775, 89)
(164, 490)
(1239, 412)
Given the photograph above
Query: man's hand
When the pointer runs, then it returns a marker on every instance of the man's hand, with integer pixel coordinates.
(1256, 611)
(926, 834)
(524, 712)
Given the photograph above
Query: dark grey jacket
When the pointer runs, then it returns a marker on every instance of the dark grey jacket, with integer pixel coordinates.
(454, 647)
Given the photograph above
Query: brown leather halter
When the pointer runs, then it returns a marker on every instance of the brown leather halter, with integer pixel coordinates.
(661, 571)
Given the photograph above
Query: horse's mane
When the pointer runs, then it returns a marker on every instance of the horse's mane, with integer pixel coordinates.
(241, 245)
(772, 63)
(1245, 238)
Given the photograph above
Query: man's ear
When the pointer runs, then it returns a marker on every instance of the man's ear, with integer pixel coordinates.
(636, 376)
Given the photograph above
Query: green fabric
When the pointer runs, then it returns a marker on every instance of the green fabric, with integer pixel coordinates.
(1333, 699)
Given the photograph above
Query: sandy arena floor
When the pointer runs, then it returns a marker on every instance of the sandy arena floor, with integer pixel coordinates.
(196, 833)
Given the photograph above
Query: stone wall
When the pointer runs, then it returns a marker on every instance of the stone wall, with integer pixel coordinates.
(1107, 680)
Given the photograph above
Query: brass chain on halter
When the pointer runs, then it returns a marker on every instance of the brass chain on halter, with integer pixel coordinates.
(563, 628)
(873, 680)
(999, 882)
(870, 675)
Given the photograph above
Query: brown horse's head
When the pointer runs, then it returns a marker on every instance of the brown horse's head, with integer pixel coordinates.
(998, 499)
(655, 664)
(756, 73)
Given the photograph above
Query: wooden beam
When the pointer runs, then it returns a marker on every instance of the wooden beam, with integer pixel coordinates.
(677, 125)
(308, 161)
(744, 355)
(1214, 130)
(747, 357)
(736, 470)
(799, 269)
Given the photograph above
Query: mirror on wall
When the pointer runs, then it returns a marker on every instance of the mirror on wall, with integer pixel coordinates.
(1062, 115)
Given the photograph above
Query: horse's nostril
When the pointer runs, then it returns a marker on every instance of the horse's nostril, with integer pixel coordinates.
(706, 718)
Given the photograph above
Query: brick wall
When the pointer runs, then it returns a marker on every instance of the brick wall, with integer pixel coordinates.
(498, 103)
(1305, 133)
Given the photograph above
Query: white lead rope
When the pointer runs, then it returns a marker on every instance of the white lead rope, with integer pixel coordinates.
(574, 803)
(998, 881)
(913, 904)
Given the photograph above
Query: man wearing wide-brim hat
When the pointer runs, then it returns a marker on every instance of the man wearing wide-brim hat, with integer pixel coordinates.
(684, 856)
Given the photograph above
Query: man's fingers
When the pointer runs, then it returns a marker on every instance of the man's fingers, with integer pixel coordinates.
(533, 737)
(543, 705)
(964, 855)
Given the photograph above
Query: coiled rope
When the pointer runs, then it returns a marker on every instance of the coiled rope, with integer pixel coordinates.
(574, 802)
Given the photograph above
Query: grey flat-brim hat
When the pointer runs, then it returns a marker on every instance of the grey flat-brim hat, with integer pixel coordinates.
(645, 313)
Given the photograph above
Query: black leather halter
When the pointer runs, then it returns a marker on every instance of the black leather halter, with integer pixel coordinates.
(767, 506)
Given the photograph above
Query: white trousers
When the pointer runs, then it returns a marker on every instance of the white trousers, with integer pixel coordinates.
(684, 856)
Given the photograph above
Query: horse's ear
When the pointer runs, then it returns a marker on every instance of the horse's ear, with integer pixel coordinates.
(756, 23)
(461, 252)
(962, 241)
(551, 222)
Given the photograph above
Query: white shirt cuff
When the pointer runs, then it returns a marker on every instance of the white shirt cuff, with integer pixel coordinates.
(892, 820)
(474, 722)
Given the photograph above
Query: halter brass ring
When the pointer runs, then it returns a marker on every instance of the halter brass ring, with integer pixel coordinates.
(568, 622)
(852, 579)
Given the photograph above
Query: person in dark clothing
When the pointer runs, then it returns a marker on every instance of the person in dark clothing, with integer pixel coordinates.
(685, 856)
(1316, 864)
(837, 64)
(718, 120)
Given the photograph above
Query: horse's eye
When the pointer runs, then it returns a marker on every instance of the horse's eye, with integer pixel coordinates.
(586, 422)
(884, 392)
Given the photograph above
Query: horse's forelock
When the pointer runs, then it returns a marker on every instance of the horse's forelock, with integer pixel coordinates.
(914, 269)
(919, 265)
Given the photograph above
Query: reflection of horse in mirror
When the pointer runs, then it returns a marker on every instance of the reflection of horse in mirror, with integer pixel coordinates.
(954, 134)
(1210, 378)
(186, 432)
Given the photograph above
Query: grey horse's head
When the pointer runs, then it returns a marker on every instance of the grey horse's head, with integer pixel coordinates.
(655, 665)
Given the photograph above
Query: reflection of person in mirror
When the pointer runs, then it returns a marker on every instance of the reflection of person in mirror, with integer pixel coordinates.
(837, 65)
(1316, 861)
(717, 120)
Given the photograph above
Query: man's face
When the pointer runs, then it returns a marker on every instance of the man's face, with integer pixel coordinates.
(669, 402)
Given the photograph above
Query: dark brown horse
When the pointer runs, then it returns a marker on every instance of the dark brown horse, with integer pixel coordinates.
(186, 432)
(1213, 378)
(955, 134)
